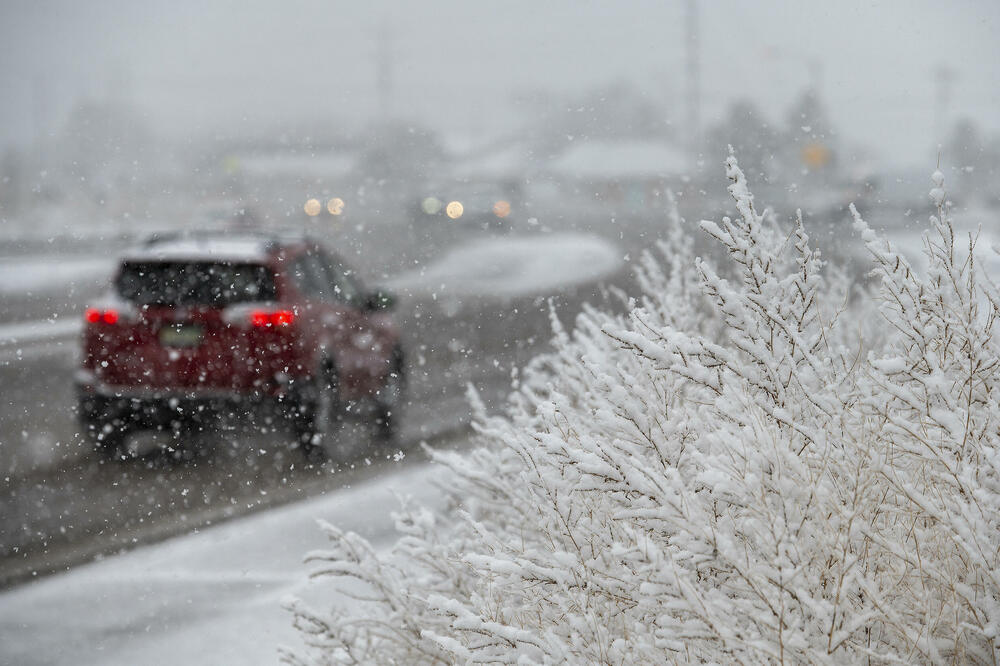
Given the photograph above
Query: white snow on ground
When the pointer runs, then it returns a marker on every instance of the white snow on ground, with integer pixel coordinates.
(212, 597)
(514, 266)
(39, 330)
(50, 273)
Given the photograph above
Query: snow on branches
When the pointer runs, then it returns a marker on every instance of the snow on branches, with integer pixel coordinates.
(729, 473)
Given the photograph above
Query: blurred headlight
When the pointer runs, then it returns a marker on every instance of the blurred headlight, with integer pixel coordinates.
(501, 209)
(431, 205)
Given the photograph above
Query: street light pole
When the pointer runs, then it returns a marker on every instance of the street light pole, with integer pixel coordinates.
(693, 71)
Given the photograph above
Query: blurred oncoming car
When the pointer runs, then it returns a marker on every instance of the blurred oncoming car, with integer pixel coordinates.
(467, 205)
(204, 324)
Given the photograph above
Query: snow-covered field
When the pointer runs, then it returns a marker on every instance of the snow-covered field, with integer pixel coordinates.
(211, 597)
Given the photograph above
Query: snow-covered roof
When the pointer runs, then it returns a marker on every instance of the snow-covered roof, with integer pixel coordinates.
(223, 249)
(608, 160)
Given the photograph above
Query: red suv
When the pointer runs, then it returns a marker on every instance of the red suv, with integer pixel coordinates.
(200, 323)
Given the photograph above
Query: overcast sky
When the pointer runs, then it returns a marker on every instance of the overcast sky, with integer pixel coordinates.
(193, 65)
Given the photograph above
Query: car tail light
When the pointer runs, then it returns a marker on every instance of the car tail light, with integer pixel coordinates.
(96, 316)
(258, 315)
(283, 318)
(273, 318)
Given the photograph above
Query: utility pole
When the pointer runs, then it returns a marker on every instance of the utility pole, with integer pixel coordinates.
(944, 76)
(39, 119)
(693, 79)
(383, 71)
(815, 66)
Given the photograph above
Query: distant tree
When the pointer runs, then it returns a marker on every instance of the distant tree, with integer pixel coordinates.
(747, 130)
(617, 110)
(976, 155)
(809, 134)
(966, 143)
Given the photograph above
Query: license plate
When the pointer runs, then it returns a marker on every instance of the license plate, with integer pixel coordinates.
(180, 336)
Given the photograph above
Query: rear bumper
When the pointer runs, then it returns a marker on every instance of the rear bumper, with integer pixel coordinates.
(88, 384)
(101, 402)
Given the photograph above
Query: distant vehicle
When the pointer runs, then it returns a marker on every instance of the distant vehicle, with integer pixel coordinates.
(470, 205)
(209, 323)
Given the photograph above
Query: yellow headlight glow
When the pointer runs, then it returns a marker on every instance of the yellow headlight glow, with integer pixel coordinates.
(313, 207)
(501, 209)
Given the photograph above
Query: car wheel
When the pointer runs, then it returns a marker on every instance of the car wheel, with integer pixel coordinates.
(389, 400)
(101, 427)
(319, 418)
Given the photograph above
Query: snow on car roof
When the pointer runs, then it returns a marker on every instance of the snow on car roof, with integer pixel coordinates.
(228, 249)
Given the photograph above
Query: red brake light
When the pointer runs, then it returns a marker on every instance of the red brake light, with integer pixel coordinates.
(95, 316)
(283, 318)
(260, 318)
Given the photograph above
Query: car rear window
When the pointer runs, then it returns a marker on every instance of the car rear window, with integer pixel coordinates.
(195, 283)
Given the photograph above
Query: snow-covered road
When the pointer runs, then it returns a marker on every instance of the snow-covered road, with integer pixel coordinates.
(211, 597)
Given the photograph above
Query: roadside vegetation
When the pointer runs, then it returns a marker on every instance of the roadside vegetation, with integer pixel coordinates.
(762, 461)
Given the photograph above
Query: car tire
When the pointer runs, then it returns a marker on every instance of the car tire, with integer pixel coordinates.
(100, 426)
(319, 417)
(389, 399)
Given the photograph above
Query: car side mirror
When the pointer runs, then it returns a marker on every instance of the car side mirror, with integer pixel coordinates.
(380, 299)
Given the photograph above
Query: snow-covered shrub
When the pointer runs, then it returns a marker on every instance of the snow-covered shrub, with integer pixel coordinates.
(732, 472)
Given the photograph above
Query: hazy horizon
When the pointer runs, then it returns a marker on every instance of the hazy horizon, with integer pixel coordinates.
(458, 67)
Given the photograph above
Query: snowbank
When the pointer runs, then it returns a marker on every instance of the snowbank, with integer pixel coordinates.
(51, 273)
(212, 597)
(515, 266)
(45, 329)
